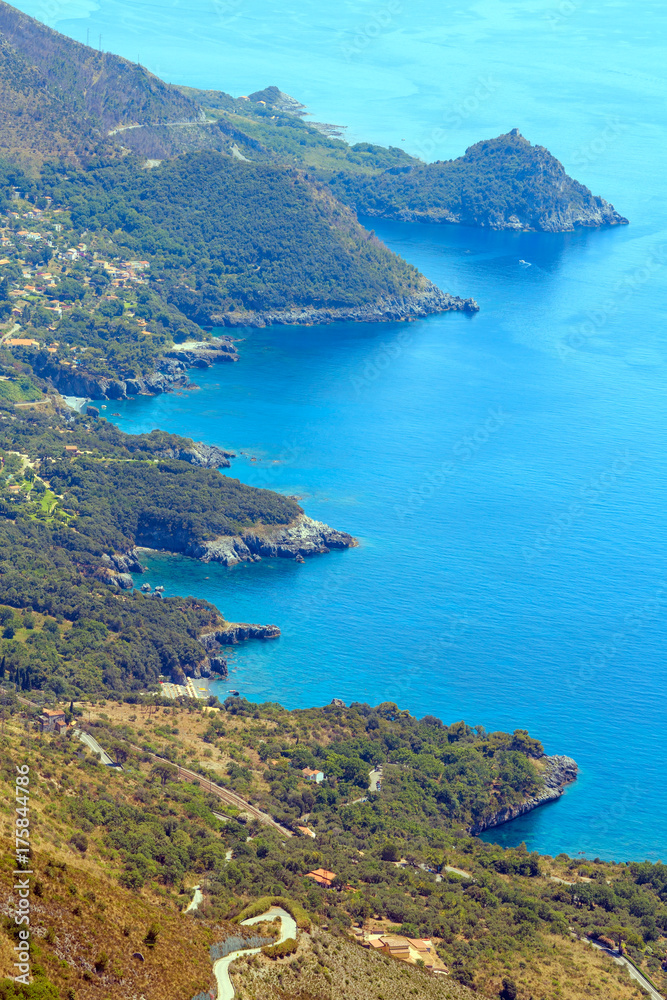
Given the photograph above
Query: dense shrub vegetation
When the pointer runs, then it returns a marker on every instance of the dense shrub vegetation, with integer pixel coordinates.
(63, 627)
(223, 235)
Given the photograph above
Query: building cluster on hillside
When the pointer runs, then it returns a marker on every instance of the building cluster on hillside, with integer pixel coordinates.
(52, 720)
(415, 951)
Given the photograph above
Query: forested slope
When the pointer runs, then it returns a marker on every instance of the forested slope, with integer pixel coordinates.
(65, 518)
(501, 183)
(224, 236)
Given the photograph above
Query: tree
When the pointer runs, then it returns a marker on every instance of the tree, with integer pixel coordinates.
(509, 990)
(390, 852)
(165, 772)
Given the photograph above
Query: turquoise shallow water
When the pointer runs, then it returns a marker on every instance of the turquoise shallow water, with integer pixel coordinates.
(505, 474)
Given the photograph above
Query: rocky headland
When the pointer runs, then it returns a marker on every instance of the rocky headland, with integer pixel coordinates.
(205, 456)
(297, 540)
(501, 183)
(559, 771)
(388, 309)
(235, 632)
(302, 538)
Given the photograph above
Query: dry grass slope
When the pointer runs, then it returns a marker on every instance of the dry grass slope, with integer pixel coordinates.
(326, 966)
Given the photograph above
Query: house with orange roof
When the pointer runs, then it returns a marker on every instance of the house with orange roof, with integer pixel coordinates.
(322, 876)
(311, 774)
(50, 719)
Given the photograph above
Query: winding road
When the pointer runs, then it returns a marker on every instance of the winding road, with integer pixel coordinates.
(221, 967)
(634, 973)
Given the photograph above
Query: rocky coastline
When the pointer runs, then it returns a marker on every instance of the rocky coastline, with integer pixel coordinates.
(171, 372)
(392, 308)
(204, 456)
(301, 538)
(559, 772)
(235, 632)
(558, 219)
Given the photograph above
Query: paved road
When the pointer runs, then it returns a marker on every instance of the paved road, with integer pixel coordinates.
(221, 967)
(634, 973)
(93, 745)
(374, 779)
(458, 871)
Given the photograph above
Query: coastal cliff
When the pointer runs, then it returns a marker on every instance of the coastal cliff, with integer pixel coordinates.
(235, 632)
(558, 772)
(300, 538)
(392, 308)
(171, 371)
(501, 183)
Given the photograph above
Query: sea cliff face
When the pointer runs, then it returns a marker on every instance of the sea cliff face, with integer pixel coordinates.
(235, 632)
(301, 538)
(559, 772)
(171, 371)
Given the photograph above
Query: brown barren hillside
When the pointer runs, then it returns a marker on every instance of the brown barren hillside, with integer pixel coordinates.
(61, 98)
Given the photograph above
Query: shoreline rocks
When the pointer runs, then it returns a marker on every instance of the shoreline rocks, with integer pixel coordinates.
(235, 632)
(560, 771)
(387, 309)
(171, 371)
(204, 456)
(303, 537)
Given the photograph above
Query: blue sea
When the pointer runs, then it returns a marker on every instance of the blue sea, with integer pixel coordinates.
(506, 474)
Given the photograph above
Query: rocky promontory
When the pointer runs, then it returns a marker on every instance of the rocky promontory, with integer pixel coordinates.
(235, 632)
(391, 308)
(301, 538)
(501, 183)
(558, 772)
(297, 540)
(205, 456)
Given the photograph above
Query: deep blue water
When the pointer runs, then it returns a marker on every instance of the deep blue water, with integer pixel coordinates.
(505, 474)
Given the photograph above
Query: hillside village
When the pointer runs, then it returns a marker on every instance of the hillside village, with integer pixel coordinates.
(51, 280)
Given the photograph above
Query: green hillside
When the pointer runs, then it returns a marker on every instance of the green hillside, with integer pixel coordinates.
(501, 183)
(225, 236)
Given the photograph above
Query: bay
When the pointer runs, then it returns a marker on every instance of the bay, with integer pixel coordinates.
(505, 473)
